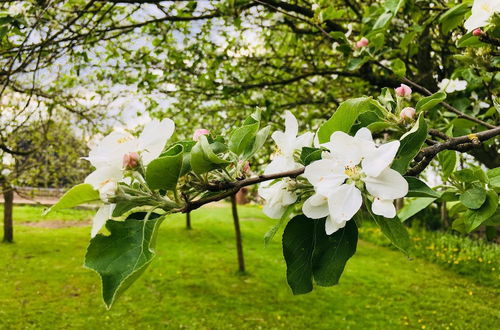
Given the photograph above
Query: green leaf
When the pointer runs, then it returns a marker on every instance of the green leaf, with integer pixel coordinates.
(125, 206)
(448, 160)
(164, 172)
(474, 197)
(394, 230)
(453, 17)
(259, 141)
(474, 218)
(466, 175)
(79, 194)
(418, 188)
(429, 102)
(203, 158)
(411, 143)
(345, 116)
(270, 234)
(242, 138)
(413, 206)
(298, 246)
(468, 40)
(309, 155)
(331, 252)
(494, 177)
(124, 255)
(398, 67)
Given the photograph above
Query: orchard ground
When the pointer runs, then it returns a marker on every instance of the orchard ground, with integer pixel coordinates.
(193, 283)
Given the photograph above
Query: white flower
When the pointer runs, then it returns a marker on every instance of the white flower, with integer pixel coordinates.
(288, 141)
(453, 85)
(107, 155)
(102, 215)
(18, 8)
(353, 162)
(482, 10)
(107, 158)
(278, 195)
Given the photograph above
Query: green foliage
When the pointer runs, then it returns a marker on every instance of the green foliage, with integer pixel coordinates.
(411, 142)
(474, 258)
(418, 188)
(203, 157)
(79, 194)
(429, 102)
(310, 253)
(164, 172)
(346, 115)
(124, 255)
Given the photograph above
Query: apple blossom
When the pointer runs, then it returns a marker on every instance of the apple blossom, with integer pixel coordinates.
(353, 163)
(278, 196)
(453, 85)
(363, 42)
(482, 11)
(477, 32)
(407, 113)
(109, 155)
(403, 91)
(130, 160)
(200, 132)
(288, 143)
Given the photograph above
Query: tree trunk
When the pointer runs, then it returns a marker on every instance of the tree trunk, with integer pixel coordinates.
(188, 220)
(8, 227)
(239, 244)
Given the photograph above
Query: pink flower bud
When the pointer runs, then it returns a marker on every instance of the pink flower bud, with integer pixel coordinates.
(130, 160)
(403, 90)
(477, 32)
(407, 113)
(199, 132)
(363, 42)
(246, 166)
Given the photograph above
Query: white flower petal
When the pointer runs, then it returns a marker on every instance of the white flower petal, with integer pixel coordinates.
(325, 172)
(316, 207)
(384, 207)
(345, 149)
(281, 164)
(380, 158)
(344, 202)
(110, 150)
(101, 176)
(331, 226)
(154, 137)
(364, 134)
(277, 197)
(305, 140)
(103, 214)
(388, 185)
(291, 124)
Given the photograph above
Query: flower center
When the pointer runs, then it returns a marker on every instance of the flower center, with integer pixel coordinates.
(105, 182)
(123, 140)
(353, 172)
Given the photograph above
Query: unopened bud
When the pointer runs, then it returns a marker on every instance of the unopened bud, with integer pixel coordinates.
(363, 42)
(246, 167)
(477, 32)
(407, 113)
(403, 91)
(200, 132)
(130, 160)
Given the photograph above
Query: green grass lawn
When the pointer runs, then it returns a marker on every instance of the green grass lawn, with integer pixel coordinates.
(193, 284)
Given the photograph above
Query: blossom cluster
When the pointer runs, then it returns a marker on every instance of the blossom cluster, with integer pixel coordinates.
(350, 167)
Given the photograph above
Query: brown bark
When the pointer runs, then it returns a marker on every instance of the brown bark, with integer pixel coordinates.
(8, 227)
(239, 243)
(188, 220)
